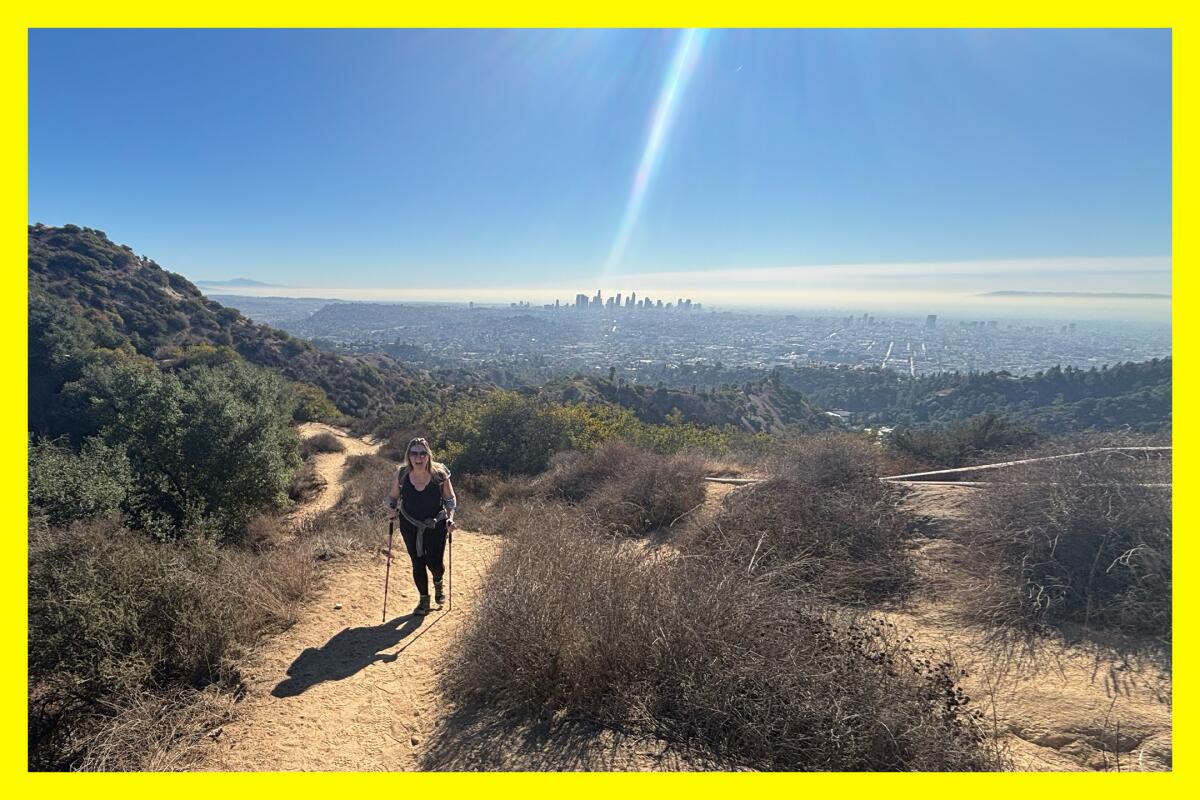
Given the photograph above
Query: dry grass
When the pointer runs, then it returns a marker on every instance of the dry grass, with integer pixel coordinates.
(572, 621)
(625, 488)
(324, 442)
(126, 633)
(306, 484)
(1078, 542)
(822, 525)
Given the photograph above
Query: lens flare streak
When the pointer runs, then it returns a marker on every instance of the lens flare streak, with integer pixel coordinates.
(687, 52)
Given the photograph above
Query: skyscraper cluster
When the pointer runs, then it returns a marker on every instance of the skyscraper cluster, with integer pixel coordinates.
(615, 303)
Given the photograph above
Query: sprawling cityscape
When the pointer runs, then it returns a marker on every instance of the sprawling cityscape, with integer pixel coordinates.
(675, 338)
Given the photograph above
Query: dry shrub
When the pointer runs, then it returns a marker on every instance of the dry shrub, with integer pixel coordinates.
(830, 460)
(1082, 541)
(306, 485)
(155, 732)
(627, 489)
(118, 623)
(367, 482)
(653, 493)
(574, 475)
(323, 442)
(576, 622)
(825, 525)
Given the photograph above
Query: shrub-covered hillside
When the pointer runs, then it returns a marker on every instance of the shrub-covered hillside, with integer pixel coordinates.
(87, 291)
(763, 405)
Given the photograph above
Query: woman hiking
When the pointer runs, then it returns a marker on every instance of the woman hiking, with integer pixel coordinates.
(424, 501)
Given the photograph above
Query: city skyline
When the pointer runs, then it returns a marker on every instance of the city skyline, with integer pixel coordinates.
(1127, 289)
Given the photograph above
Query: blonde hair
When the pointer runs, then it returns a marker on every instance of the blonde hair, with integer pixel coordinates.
(436, 468)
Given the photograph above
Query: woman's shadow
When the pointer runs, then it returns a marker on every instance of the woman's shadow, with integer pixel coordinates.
(349, 651)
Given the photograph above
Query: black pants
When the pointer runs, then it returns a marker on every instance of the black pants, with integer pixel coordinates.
(435, 550)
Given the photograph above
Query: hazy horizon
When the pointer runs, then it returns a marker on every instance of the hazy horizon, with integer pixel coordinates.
(915, 288)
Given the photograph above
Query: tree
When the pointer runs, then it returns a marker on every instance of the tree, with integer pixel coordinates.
(207, 448)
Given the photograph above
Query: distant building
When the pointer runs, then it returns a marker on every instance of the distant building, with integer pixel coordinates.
(931, 321)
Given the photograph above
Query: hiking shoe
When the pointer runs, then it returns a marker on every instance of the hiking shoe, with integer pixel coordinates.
(439, 594)
(422, 607)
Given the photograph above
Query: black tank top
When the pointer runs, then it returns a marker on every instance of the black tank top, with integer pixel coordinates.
(420, 505)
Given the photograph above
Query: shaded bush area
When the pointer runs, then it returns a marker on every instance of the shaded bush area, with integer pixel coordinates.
(69, 486)
(200, 451)
(1083, 541)
(305, 484)
(1059, 399)
(822, 524)
(958, 444)
(571, 620)
(119, 624)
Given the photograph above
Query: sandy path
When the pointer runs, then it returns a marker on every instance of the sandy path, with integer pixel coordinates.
(329, 467)
(1056, 707)
(341, 690)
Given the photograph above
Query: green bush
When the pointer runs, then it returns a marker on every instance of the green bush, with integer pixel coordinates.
(513, 433)
(312, 405)
(207, 449)
(69, 486)
(504, 433)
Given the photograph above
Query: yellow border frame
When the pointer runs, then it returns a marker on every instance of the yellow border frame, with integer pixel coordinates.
(621, 13)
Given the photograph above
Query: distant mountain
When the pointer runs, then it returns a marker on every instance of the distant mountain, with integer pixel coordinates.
(235, 282)
(80, 280)
(1110, 295)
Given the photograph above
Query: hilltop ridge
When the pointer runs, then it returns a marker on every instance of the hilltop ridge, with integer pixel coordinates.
(80, 279)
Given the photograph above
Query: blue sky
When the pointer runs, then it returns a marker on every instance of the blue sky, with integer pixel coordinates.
(446, 160)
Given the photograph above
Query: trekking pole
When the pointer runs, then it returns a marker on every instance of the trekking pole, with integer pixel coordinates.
(388, 572)
(450, 569)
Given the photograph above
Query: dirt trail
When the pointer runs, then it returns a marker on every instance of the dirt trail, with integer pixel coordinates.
(329, 467)
(341, 690)
(1056, 707)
